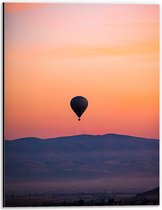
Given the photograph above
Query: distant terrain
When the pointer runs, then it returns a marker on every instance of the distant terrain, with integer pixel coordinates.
(150, 197)
(84, 163)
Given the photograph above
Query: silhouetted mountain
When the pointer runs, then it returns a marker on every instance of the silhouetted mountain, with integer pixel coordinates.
(149, 194)
(83, 161)
(150, 197)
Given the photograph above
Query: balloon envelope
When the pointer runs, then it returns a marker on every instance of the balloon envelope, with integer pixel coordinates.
(79, 105)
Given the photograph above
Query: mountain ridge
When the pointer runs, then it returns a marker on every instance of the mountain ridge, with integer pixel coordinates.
(83, 135)
(82, 161)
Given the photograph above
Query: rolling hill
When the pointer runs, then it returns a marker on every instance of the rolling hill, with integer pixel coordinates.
(83, 162)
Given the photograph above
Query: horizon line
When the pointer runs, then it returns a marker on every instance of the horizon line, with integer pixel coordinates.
(83, 134)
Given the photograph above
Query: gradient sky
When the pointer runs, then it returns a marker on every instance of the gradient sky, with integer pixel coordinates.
(107, 53)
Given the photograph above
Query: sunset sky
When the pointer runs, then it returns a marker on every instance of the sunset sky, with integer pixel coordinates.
(107, 53)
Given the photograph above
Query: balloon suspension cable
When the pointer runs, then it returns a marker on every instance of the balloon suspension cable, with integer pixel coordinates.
(78, 119)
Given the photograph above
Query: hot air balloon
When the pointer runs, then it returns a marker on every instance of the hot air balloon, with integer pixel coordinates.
(79, 105)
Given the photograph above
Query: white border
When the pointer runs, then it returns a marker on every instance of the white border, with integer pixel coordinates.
(89, 1)
(1, 82)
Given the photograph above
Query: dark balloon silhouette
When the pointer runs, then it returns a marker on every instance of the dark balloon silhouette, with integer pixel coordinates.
(79, 105)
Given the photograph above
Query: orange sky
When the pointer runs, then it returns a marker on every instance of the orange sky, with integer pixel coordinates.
(107, 53)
